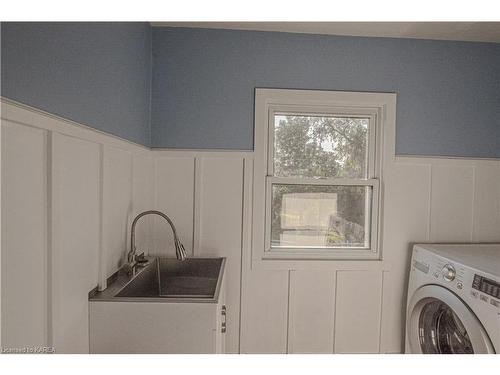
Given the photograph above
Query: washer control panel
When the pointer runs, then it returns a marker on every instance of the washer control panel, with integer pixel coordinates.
(468, 284)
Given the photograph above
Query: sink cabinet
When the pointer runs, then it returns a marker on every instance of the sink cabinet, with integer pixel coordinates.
(157, 327)
(149, 324)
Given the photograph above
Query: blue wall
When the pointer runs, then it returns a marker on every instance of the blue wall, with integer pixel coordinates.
(97, 74)
(204, 82)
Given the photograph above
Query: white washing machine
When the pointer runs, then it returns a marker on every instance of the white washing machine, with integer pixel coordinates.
(454, 299)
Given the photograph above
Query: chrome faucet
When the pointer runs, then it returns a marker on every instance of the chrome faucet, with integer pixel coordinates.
(132, 257)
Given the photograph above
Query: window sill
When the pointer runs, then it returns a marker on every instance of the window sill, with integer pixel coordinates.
(354, 255)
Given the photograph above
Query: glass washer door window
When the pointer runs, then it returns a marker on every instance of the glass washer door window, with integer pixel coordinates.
(322, 186)
(441, 331)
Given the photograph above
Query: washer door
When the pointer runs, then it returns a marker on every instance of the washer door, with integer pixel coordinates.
(439, 322)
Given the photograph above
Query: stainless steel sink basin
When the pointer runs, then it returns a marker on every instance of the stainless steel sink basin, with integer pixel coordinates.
(168, 279)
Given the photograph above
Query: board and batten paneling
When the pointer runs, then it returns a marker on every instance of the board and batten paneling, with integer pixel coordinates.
(24, 236)
(174, 195)
(76, 190)
(405, 221)
(64, 185)
(425, 199)
(264, 315)
(202, 192)
(350, 306)
(142, 199)
(117, 205)
(451, 203)
(127, 191)
(357, 316)
(218, 223)
(311, 312)
(486, 219)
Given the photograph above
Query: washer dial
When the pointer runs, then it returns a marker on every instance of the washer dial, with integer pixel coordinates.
(448, 272)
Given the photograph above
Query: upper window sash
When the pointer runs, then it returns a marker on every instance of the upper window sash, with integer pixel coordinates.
(326, 111)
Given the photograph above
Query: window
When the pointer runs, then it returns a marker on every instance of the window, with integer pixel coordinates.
(317, 173)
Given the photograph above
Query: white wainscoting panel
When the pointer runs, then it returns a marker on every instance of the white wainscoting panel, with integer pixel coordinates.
(174, 189)
(486, 220)
(393, 314)
(117, 205)
(311, 312)
(451, 203)
(24, 236)
(142, 200)
(76, 233)
(406, 210)
(358, 311)
(264, 315)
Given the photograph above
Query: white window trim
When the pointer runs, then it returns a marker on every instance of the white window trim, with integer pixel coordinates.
(271, 101)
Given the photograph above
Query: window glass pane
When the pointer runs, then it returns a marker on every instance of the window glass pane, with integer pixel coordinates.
(320, 216)
(320, 146)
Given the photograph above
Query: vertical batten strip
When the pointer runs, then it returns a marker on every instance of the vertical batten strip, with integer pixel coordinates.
(54, 249)
(242, 228)
(334, 317)
(1, 240)
(133, 211)
(198, 204)
(473, 203)
(387, 314)
(193, 209)
(247, 222)
(287, 340)
(102, 283)
(429, 207)
(152, 203)
(155, 249)
(48, 232)
(381, 312)
(246, 238)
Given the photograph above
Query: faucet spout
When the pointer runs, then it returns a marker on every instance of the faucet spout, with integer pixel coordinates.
(180, 252)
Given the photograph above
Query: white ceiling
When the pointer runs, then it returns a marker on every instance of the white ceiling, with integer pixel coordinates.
(465, 31)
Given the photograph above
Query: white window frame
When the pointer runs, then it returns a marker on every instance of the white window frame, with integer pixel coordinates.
(268, 103)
